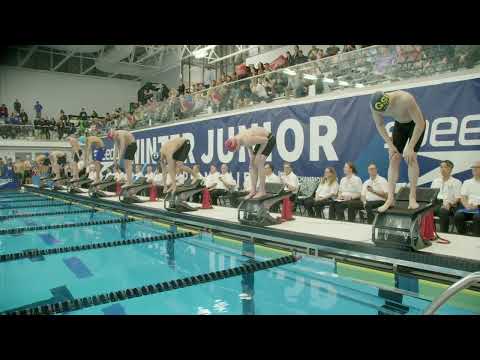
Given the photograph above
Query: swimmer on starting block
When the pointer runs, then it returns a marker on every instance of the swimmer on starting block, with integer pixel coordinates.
(93, 143)
(58, 159)
(409, 126)
(172, 155)
(77, 155)
(125, 148)
(259, 143)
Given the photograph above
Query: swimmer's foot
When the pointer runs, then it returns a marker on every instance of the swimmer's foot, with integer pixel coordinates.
(412, 204)
(259, 195)
(250, 195)
(388, 204)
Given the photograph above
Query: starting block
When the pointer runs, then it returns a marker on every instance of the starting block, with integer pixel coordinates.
(399, 227)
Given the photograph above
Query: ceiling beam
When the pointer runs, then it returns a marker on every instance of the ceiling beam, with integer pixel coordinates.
(68, 56)
(28, 56)
(233, 54)
(150, 54)
(86, 71)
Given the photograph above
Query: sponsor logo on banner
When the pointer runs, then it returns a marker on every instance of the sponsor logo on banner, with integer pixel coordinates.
(315, 135)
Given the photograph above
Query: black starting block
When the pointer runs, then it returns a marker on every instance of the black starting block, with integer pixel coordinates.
(128, 195)
(399, 227)
(74, 186)
(255, 212)
(95, 188)
(177, 201)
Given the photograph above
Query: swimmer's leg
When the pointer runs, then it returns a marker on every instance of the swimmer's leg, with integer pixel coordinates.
(393, 173)
(260, 164)
(413, 173)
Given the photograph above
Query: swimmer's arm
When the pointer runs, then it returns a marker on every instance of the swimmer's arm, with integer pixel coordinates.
(379, 123)
(417, 117)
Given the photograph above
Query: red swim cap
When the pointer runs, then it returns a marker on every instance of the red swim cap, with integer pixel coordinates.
(110, 134)
(231, 144)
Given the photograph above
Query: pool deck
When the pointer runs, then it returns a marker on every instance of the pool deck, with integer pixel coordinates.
(466, 247)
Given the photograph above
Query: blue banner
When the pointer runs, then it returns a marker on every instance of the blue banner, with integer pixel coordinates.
(9, 180)
(317, 134)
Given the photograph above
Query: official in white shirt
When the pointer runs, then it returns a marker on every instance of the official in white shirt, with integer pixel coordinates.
(471, 202)
(326, 191)
(91, 172)
(196, 177)
(138, 172)
(289, 179)
(349, 193)
(374, 192)
(119, 175)
(150, 175)
(449, 196)
(270, 176)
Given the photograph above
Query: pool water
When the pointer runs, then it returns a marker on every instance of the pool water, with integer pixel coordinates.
(308, 286)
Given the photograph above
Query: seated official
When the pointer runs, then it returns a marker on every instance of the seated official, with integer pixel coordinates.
(270, 176)
(374, 192)
(138, 172)
(289, 179)
(449, 197)
(349, 193)
(150, 175)
(92, 173)
(471, 202)
(221, 182)
(196, 178)
(326, 191)
(119, 175)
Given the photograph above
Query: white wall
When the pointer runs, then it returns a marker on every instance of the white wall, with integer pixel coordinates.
(69, 92)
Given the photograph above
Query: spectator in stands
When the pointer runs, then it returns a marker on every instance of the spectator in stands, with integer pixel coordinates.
(449, 196)
(60, 125)
(83, 115)
(296, 51)
(23, 117)
(181, 89)
(290, 59)
(471, 202)
(349, 193)
(312, 53)
(259, 93)
(347, 48)
(374, 192)
(3, 112)
(38, 110)
(17, 106)
(332, 50)
(94, 114)
(320, 54)
(296, 84)
(327, 189)
(300, 58)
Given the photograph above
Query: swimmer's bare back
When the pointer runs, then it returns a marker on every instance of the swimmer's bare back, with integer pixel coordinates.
(127, 136)
(400, 103)
(248, 137)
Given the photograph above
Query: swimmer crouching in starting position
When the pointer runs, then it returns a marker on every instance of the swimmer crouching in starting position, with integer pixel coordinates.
(172, 155)
(259, 143)
(409, 126)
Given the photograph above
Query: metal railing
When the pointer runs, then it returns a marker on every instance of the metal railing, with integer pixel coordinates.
(454, 289)
(379, 64)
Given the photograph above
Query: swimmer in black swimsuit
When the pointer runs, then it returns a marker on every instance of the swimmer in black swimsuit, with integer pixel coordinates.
(172, 155)
(260, 143)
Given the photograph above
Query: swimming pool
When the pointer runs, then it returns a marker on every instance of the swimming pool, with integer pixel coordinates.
(86, 261)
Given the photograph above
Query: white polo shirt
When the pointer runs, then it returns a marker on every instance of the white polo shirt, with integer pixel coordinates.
(350, 186)
(272, 179)
(120, 176)
(380, 184)
(471, 189)
(212, 179)
(228, 178)
(292, 180)
(150, 177)
(324, 189)
(449, 190)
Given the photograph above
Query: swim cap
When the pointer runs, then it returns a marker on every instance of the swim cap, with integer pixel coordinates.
(231, 144)
(380, 101)
(155, 156)
(82, 139)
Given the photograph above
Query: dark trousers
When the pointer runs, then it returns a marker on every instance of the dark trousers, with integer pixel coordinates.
(444, 215)
(352, 207)
(215, 194)
(461, 218)
(315, 208)
(370, 206)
